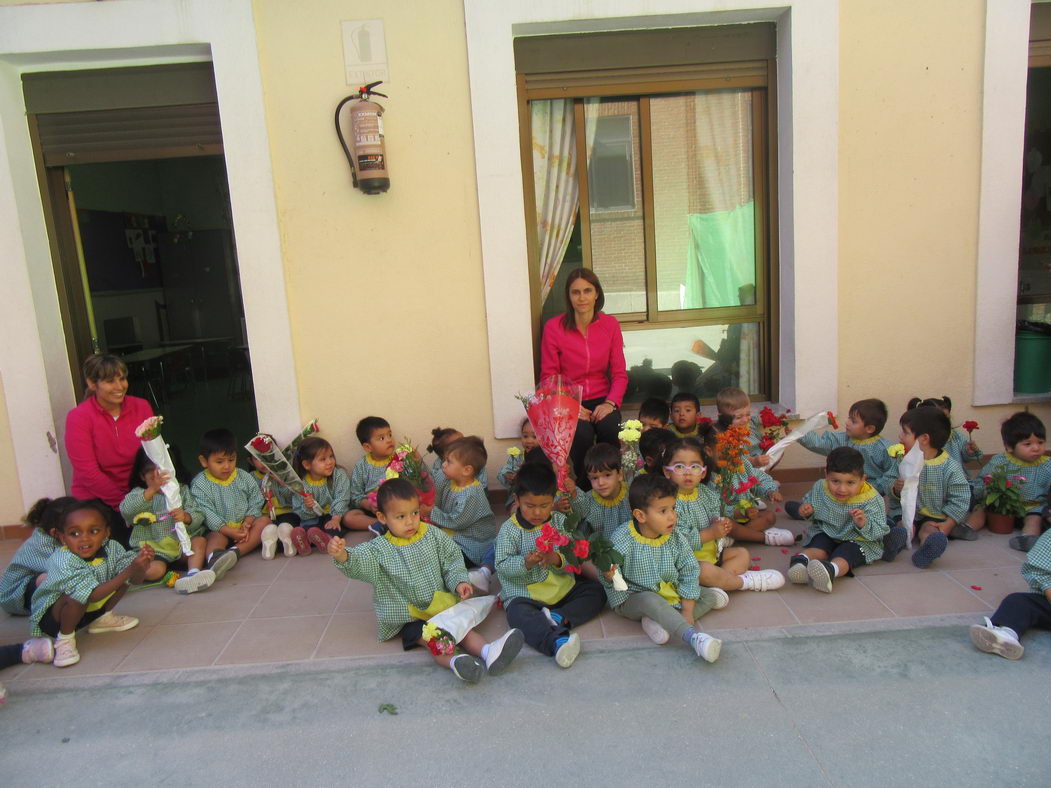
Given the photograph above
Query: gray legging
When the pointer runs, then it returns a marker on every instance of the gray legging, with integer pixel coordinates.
(652, 605)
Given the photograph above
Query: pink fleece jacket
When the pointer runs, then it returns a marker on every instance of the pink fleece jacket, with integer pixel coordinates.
(595, 361)
(101, 449)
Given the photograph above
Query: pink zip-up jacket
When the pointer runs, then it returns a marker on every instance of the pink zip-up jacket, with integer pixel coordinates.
(596, 362)
(101, 449)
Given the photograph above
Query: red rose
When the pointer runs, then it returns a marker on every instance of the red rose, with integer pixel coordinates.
(261, 444)
(970, 426)
(543, 546)
(547, 532)
(832, 420)
(572, 569)
(765, 444)
(582, 548)
(703, 421)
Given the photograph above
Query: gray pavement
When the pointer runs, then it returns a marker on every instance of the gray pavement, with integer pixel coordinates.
(906, 707)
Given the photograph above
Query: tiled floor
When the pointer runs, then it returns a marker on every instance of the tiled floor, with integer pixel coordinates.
(303, 609)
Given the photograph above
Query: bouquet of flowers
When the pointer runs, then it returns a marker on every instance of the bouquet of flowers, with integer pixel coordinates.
(1003, 493)
(576, 548)
(732, 444)
(264, 448)
(630, 461)
(149, 432)
(310, 429)
(553, 410)
(445, 629)
(407, 464)
(774, 428)
(816, 421)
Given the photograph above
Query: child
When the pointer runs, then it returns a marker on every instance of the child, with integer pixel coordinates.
(848, 523)
(661, 572)
(697, 512)
(85, 580)
(144, 507)
(943, 495)
(865, 420)
(441, 439)
(327, 485)
(1023, 456)
(960, 448)
(377, 441)
(652, 446)
(230, 501)
(540, 598)
(734, 407)
(277, 504)
(26, 570)
(605, 506)
(509, 472)
(416, 572)
(685, 408)
(1019, 612)
(463, 510)
(653, 414)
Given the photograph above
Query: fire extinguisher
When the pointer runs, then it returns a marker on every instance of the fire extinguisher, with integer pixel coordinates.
(368, 160)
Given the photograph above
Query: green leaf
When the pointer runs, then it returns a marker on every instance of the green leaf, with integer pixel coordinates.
(389, 708)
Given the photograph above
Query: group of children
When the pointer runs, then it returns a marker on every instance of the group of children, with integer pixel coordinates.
(673, 525)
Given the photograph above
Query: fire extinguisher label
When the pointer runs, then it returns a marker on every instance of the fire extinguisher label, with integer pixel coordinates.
(368, 129)
(370, 161)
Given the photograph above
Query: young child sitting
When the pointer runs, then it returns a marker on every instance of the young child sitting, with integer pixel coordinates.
(960, 447)
(277, 505)
(441, 439)
(652, 445)
(377, 441)
(327, 485)
(653, 413)
(848, 523)
(86, 578)
(1023, 457)
(146, 511)
(605, 506)
(515, 458)
(463, 510)
(540, 598)
(943, 496)
(416, 572)
(865, 420)
(734, 407)
(661, 572)
(26, 570)
(685, 410)
(1018, 613)
(230, 501)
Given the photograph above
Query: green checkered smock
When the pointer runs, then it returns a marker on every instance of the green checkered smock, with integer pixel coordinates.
(464, 514)
(331, 494)
(943, 492)
(68, 573)
(368, 474)
(29, 561)
(282, 495)
(404, 572)
(603, 514)
(135, 503)
(880, 468)
(227, 502)
(511, 465)
(755, 434)
(441, 481)
(1037, 567)
(1037, 478)
(664, 565)
(832, 517)
(695, 512)
(957, 448)
(513, 543)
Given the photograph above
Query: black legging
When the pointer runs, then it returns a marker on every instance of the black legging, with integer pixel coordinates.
(10, 655)
(588, 433)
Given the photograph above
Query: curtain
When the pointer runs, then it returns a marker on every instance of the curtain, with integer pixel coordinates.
(555, 184)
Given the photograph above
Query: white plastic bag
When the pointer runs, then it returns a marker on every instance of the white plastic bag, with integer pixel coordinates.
(464, 616)
(909, 470)
(816, 421)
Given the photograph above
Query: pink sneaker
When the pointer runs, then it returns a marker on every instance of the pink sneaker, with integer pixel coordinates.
(300, 540)
(318, 538)
(66, 653)
(38, 650)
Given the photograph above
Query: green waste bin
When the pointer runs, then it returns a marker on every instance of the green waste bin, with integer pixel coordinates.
(1032, 363)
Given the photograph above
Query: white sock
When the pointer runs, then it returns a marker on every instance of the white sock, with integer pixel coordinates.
(835, 569)
(1010, 632)
(62, 636)
(747, 580)
(485, 651)
(192, 572)
(486, 571)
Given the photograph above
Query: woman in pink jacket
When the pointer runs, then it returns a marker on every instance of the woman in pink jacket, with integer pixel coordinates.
(100, 436)
(586, 346)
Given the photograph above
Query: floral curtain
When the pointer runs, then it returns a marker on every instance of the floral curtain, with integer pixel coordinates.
(555, 184)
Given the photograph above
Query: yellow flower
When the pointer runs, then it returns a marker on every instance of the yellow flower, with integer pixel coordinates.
(144, 517)
(404, 447)
(897, 450)
(632, 424)
(430, 631)
(629, 435)
(514, 451)
(391, 473)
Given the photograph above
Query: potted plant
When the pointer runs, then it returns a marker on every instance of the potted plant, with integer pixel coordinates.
(1003, 501)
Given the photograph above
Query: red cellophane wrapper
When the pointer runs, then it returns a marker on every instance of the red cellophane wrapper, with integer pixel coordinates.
(553, 410)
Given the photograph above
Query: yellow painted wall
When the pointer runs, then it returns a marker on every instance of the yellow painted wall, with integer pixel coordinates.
(11, 505)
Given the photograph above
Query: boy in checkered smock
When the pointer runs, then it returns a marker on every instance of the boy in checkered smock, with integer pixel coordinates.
(1026, 464)
(734, 407)
(22, 575)
(605, 506)
(441, 439)
(416, 572)
(377, 441)
(960, 448)
(848, 521)
(685, 409)
(661, 572)
(865, 421)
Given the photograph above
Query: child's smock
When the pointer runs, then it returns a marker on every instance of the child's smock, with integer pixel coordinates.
(764, 487)
(832, 517)
(441, 481)
(880, 468)
(29, 561)
(511, 466)
(603, 514)
(664, 565)
(227, 502)
(1037, 478)
(282, 496)
(943, 491)
(159, 532)
(695, 511)
(957, 448)
(1037, 567)
(464, 514)
(368, 474)
(542, 583)
(331, 494)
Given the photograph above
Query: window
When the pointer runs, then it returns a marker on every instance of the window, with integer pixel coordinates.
(1034, 254)
(648, 158)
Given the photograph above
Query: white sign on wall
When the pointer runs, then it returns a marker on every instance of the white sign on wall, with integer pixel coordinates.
(364, 51)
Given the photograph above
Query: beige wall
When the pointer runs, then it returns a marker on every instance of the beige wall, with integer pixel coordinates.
(11, 505)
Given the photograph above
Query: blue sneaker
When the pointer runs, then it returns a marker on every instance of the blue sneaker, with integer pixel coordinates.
(894, 542)
(792, 509)
(932, 547)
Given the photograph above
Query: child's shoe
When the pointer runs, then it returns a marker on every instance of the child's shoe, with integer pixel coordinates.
(284, 536)
(38, 650)
(503, 650)
(797, 569)
(706, 647)
(467, 668)
(762, 580)
(554, 618)
(66, 653)
(479, 578)
(896, 540)
(820, 574)
(299, 539)
(198, 581)
(779, 536)
(111, 622)
(1023, 542)
(318, 538)
(932, 547)
(719, 598)
(269, 538)
(567, 649)
(377, 528)
(221, 562)
(992, 639)
(655, 631)
(964, 532)
(792, 510)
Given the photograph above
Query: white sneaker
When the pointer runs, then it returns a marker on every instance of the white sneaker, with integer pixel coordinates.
(992, 639)
(66, 653)
(198, 581)
(764, 579)
(779, 536)
(503, 650)
(111, 622)
(722, 599)
(479, 579)
(269, 542)
(655, 631)
(284, 536)
(797, 572)
(706, 647)
(567, 653)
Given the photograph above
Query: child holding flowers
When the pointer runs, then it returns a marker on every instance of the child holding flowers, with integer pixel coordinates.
(417, 572)
(734, 408)
(377, 441)
(515, 457)
(961, 449)
(605, 506)
(327, 485)
(441, 439)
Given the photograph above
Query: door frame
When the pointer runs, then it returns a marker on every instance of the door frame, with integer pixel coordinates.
(37, 383)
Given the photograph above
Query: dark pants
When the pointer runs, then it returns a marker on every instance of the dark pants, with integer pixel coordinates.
(119, 531)
(1022, 611)
(583, 602)
(848, 551)
(588, 433)
(10, 655)
(288, 517)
